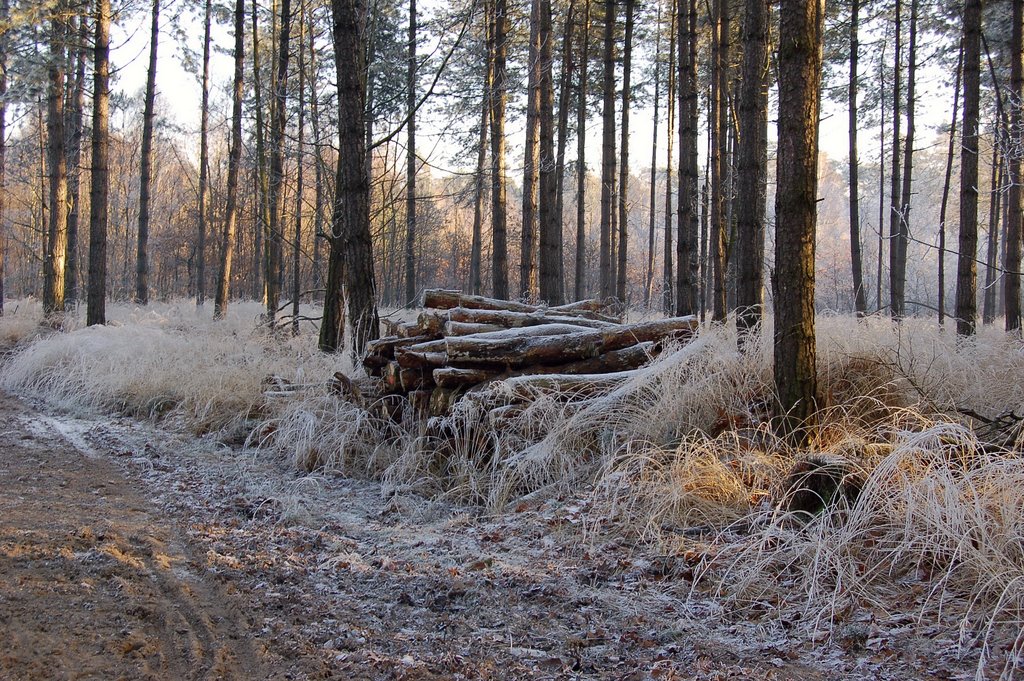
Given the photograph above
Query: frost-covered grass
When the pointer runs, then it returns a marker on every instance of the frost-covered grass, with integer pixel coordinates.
(681, 454)
(167, 360)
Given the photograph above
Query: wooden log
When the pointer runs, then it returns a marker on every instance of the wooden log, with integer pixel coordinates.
(385, 347)
(444, 299)
(592, 305)
(398, 379)
(523, 351)
(455, 377)
(511, 319)
(554, 329)
(577, 385)
(467, 329)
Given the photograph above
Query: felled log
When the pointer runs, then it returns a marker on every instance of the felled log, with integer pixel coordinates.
(467, 329)
(385, 347)
(511, 319)
(422, 355)
(401, 380)
(577, 384)
(443, 299)
(455, 377)
(524, 351)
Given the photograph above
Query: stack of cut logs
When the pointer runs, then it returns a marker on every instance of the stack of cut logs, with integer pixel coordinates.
(462, 343)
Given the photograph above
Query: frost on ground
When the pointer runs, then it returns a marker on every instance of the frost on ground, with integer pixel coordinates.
(634, 535)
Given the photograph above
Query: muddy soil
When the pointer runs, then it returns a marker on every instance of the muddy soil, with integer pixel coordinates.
(127, 552)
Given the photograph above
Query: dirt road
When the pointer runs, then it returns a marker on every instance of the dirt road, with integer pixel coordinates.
(127, 552)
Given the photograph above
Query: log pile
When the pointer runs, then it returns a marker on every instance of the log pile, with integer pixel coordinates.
(461, 344)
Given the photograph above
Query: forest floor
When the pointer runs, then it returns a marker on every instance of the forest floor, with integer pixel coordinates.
(136, 553)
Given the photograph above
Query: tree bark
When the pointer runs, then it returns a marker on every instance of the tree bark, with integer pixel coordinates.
(531, 160)
(146, 164)
(688, 284)
(667, 274)
(860, 304)
(719, 156)
(550, 280)
(5, 10)
(410, 160)
(1013, 209)
(56, 160)
(278, 118)
(476, 247)
(752, 167)
(623, 223)
(262, 223)
(579, 283)
(898, 271)
(967, 274)
(895, 203)
(77, 128)
(652, 210)
(99, 175)
(220, 304)
(350, 278)
(299, 167)
(988, 310)
(204, 160)
(800, 39)
(608, 149)
(564, 89)
(498, 37)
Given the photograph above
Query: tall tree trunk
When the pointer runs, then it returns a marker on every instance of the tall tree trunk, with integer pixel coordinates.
(652, 211)
(476, 248)
(531, 160)
(966, 273)
(262, 223)
(667, 291)
(752, 167)
(278, 117)
(607, 149)
(550, 280)
(498, 37)
(1013, 209)
(350, 278)
(881, 178)
(988, 310)
(5, 11)
(318, 200)
(898, 270)
(860, 304)
(299, 163)
(579, 280)
(204, 160)
(945, 185)
(564, 88)
(56, 160)
(627, 56)
(800, 38)
(220, 303)
(146, 164)
(719, 155)
(77, 126)
(410, 161)
(895, 203)
(99, 174)
(688, 284)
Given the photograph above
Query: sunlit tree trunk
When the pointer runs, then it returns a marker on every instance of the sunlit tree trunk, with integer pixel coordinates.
(498, 38)
(719, 156)
(99, 175)
(278, 117)
(623, 240)
(204, 161)
(607, 149)
(688, 285)
(1013, 208)
(580, 278)
(300, 131)
(668, 296)
(77, 127)
(800, 39)
(146, 164)
(476, 247)
(531, 162)
(410, 161)
(5, 10)
(564, 89)
(652, 211)
(967, 273)
(860, 304)
(220, 304)
(549, 257)
(56, 161)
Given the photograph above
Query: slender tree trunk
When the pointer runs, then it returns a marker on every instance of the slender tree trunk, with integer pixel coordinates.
(564, 88)
(410, 161)
(350, 278)
(860, 304)
(476, 248)
(688, 280)
(262, 223)
(498, 36)
(652, 212)
(204, 160)
(895, 203)
(667, 283)
(5, 11)
(988, 310)
(898, 270)
(881, 178)
(550, 280)
(1013, 210)
(318, 201)
(719, 156)
(579, 283)
(99, 175)
(77, 127)
(752, 170)
(56, 160)
(220, 304)
(531, 160)
(299, 163)
(278, 117)
(627, 57)
(967, 274)
(796, 210)
(945, 186)
(608, 149)
(146, 169)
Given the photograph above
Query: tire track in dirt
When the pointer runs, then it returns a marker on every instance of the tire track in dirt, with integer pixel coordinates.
(94, 581)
